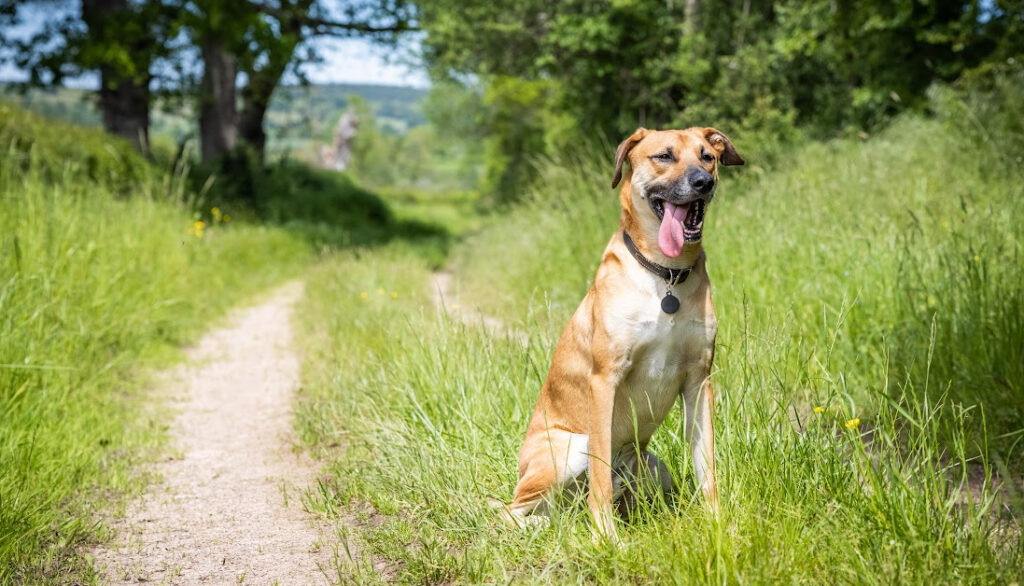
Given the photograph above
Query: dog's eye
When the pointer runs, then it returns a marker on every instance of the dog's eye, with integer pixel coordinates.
(665, 157)
(707, 157)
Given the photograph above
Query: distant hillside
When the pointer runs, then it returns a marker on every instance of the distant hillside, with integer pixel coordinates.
(296, 116)
(396, 108)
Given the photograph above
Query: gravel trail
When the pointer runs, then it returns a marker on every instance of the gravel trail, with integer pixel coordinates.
(226, 506)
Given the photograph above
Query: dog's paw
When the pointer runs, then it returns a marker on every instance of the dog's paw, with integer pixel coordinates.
(603, 531)
(534, 521)
(606, 538)
(515, 518)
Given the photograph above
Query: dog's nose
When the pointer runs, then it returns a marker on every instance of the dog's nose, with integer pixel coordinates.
(700, 180)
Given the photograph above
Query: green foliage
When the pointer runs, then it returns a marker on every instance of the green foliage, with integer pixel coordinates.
(301, 112)
(771, 71)
(55, 150)
(628, 62)
(326, 207)
(287, 190)
(516, 135)
(101, 273)
(429, 157)
(122, 38)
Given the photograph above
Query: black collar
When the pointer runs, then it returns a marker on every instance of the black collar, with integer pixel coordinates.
(670, 276)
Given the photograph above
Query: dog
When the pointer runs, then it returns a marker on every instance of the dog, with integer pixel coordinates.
(643, 336)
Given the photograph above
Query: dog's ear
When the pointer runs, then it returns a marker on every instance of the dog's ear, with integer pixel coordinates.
(722, 144)
(623, 151)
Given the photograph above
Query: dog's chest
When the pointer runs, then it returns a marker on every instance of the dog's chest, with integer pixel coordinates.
(664, 348)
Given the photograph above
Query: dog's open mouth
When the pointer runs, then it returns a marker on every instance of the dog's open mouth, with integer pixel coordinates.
(679, 224)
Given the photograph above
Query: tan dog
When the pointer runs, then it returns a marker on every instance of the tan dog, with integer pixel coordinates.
(643, 335)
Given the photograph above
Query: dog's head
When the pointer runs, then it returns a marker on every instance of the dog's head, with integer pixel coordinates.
(672, 178)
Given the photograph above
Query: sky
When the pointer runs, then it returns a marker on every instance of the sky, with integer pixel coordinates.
(358, 61)
(344, 61)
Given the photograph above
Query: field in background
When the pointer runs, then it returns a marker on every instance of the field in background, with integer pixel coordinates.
(297, 117)
(877, 279)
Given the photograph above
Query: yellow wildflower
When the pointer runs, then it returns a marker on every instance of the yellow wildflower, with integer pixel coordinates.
(382, 291)
(852, 423)
(364, 295)
(394, 294)
(226, 218)
(215, 210)
(977, 258)
(197, 228)
(819, 409)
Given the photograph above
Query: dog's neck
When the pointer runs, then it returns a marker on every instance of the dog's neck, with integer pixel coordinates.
(642, 226)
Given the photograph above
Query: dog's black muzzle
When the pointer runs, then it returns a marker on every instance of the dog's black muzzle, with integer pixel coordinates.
(695, 183)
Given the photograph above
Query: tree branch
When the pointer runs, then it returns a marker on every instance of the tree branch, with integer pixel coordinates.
(321, 26)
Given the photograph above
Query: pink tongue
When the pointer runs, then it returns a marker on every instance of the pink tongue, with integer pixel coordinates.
(670, 235)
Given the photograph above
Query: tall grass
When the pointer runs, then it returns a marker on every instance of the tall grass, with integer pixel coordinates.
(420, 418)
(100, 274)
(876, 279)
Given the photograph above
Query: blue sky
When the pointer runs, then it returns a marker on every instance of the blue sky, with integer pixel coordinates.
(355, 60)
(345, 60)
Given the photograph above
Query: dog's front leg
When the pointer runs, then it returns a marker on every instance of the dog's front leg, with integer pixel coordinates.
(602, 404)
(699, 413)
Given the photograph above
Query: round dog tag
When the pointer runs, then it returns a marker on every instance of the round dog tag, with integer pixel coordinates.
(669, 303)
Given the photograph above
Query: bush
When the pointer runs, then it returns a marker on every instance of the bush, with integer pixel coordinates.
(51, 150)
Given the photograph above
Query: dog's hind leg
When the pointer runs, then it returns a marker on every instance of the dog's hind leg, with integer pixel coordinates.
(640, 478)
(549, 461)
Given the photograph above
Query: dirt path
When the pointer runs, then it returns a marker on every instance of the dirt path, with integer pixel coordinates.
(226, 508)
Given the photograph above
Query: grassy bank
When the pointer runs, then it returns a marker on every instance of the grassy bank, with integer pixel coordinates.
(876, 279)
(102, 272)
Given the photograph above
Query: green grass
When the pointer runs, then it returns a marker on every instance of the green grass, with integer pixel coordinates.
(102, 275)
(879, 279)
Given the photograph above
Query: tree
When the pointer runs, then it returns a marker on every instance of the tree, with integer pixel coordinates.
(218, 29)
(128, 41)
(265, 68)
(770, 68)
(119, 39)
(262, 41)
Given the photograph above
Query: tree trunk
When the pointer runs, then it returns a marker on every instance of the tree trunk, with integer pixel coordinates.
(125, 108)
(255, 100)
(123, 95)
(263, 81)
(217, 111)
(691, 16)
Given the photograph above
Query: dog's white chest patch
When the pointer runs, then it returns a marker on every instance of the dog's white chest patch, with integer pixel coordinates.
(662, 347)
